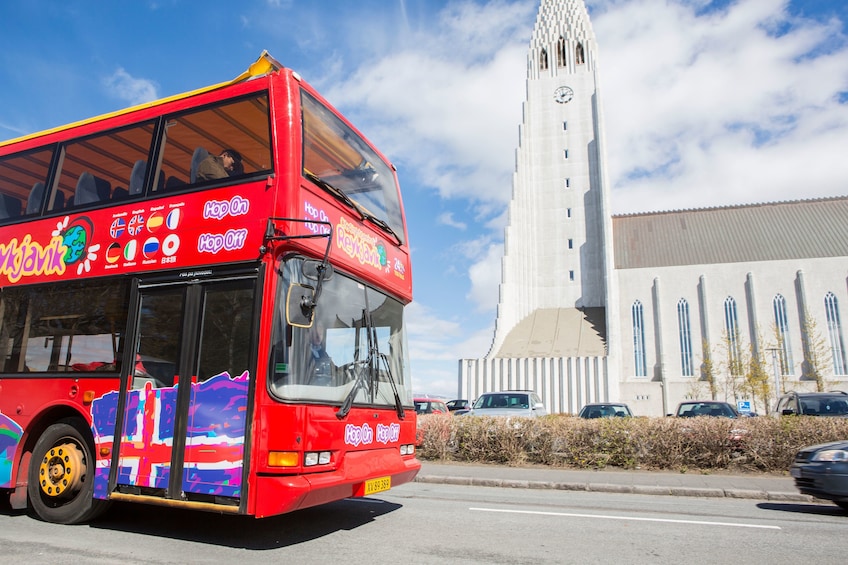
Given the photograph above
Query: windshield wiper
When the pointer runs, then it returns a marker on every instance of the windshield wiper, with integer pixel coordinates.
(398, 403)
(382, 225)
(363, 215)
(338, 193)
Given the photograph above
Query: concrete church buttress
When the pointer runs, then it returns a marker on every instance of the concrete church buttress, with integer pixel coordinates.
(554, 268)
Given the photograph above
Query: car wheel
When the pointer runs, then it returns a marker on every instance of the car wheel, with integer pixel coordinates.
(61, 475)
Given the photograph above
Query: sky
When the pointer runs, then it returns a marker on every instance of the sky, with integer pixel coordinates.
(706, 103)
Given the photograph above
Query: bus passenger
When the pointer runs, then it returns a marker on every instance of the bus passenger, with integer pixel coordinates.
(226, 164)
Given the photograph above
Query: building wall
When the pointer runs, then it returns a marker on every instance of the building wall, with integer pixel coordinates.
(754, 287)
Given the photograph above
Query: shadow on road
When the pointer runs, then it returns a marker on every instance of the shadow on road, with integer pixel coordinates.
(244, 531)
(820, 509)
(238, 531)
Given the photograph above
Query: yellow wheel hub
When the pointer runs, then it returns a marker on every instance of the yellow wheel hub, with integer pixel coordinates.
(61, 471)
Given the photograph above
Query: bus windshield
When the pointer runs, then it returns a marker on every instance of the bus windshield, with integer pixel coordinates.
(324, 362)
(335, 155)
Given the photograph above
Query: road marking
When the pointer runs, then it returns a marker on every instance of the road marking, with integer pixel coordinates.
(635, 519)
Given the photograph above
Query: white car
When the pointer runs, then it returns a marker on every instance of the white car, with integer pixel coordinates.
(522, 403)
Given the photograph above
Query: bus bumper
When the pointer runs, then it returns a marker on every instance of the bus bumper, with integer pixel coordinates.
(278, 494)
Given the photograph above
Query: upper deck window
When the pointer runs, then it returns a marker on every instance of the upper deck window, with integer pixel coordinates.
(96, 169)
(337, 156)
(242, 126)
(22, 179)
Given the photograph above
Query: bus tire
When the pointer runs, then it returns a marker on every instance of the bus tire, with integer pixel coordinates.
(61, 475)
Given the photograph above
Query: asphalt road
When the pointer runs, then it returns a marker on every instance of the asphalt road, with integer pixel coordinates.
(438, 523)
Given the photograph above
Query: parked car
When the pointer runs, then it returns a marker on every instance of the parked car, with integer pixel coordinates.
(426, 405)
(458, 404)
(714, 408)
(813, 404)
(822, 471)
(605, 410)
(521, 403)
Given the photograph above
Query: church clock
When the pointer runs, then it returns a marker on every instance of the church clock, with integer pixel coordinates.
(563, 94)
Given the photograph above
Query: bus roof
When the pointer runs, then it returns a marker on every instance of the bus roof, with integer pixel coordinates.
(262, 66)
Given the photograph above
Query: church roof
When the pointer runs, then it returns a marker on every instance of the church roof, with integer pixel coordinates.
(756, 232)
(557, 332)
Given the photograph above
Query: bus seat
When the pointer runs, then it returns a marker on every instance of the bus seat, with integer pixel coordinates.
(91, 189)
(35, 197)
(10, 207)
(120, 193)
(137, 177)
(199, 155)
(58, 201)
(174, 182)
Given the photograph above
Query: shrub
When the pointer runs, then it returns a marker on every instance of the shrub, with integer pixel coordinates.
(753, 444)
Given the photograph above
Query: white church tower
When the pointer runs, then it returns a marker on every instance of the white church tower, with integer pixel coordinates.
(554, 256)
(552, 314)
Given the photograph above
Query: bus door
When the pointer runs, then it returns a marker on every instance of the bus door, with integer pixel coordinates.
(185, 409)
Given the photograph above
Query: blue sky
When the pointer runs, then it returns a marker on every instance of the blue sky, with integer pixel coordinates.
(705, 104)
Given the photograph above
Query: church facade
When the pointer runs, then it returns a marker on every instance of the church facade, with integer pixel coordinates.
(735, 303)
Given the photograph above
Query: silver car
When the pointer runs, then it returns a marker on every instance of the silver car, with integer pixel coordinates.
(521, 403)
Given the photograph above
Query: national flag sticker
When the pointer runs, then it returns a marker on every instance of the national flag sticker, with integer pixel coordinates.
(171, 244)
(136, 224)
(154, 222)
(130, 250)
(113, 253)
(117, 228)
(173, 219)
(150, 248)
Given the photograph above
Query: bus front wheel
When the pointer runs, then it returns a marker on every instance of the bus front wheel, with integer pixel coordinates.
(61, 475)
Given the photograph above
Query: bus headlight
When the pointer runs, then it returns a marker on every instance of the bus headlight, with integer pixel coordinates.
(407, 449)
(312, 458)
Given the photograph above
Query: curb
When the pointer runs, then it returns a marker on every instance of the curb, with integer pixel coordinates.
(618, 488)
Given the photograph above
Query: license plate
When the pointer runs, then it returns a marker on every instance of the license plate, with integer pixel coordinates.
(795, 472)
(378, 485)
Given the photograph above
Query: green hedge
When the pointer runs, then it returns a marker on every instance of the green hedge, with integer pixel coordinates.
(764, 444)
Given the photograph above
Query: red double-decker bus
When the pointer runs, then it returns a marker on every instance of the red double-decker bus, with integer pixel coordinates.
(202, 305)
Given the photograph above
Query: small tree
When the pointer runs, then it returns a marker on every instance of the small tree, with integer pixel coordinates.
(708, 370)
(816, 353)
(757, 380)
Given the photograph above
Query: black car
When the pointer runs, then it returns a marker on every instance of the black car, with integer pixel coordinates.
(605, 410)
(714, 408)
(458, 404)
(813, 404)
(822, 471)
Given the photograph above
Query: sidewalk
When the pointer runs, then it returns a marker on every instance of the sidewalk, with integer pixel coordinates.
(752, 486)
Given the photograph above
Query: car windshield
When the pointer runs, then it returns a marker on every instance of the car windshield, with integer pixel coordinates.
(605, 411)
(503, 400)
(692, 409)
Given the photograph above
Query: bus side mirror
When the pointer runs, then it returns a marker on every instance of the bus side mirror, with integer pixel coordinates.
(300, 305)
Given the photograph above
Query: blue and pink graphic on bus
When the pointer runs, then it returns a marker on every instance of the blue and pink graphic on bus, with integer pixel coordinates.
(10, 436)
(214, 449)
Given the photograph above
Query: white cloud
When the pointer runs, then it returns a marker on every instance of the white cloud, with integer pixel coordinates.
(447, 103)
(133, 90)
(736, 106)
(447, 219)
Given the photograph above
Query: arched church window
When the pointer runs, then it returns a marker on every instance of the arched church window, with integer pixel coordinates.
(639, 362)
(781, 330)
(685, 330)
(834, 330)
(543, 60)
(560, 52)
(732, 338)
(579, 56)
